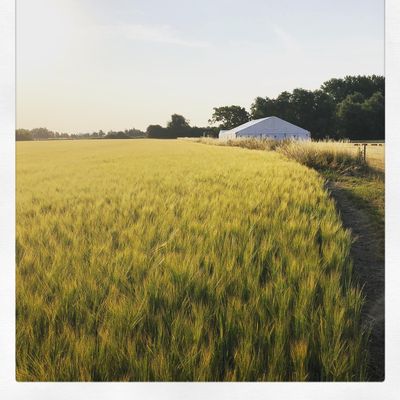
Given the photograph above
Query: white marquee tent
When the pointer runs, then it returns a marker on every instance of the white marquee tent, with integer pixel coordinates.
(266, 128)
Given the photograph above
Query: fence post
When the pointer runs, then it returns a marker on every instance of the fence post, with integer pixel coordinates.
(365, 152)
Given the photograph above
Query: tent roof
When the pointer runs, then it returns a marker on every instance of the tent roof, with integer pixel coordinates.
(268, 124)
(248, 124)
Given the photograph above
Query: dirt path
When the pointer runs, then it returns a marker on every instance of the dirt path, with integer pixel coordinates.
(369, 270)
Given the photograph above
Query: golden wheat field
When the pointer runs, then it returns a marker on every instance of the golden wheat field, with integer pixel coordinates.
(151, 260)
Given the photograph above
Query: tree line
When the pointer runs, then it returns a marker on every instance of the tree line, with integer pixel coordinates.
(179, 126)
(46, 134)
(351, 108)
(348, 108)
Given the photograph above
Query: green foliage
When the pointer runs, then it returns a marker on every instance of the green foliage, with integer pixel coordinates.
(361, 118)
(311, 110)
(178, 126)
(351, 108)
(339, 89)
(152, 260)
(117, 135)
(229, 116)
(45, 134)
(23, 135)
(41, 133)
(155, 131)
(126, 134)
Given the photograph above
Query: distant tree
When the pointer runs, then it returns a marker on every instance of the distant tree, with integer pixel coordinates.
(178, 126)
(261, 108)
(360, 118)
(324, 116)
(313, 111)
(194, 131)
(23, 135)
(155, 132)
(339, 89)
(211, 132)
(117, 135)
(41, 133)
(351, 107)
(229, 116)
(283, 107)
(302, 107)
(126, 134)
(351, 117)
(135, 133)
(374, 108)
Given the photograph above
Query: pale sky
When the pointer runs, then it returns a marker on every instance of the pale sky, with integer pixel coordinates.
(85, 65)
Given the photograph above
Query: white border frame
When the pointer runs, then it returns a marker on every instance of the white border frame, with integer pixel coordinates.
(10, 389)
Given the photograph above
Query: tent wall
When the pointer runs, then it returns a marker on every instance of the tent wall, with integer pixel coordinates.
(267, 128)
(226, 135)
(275, 136)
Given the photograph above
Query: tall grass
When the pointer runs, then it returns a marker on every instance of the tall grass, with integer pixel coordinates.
(166, 260)
(251, 144)
(323, 155)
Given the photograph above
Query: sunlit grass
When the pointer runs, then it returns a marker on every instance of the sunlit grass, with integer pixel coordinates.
(325, 155)
(340, 156)
(169, 260)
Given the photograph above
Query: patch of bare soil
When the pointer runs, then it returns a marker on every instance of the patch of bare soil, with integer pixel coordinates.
(369, 270)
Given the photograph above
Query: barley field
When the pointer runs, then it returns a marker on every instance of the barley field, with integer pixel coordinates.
(150, 260)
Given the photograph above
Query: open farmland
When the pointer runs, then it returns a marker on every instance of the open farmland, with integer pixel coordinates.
(170, 260)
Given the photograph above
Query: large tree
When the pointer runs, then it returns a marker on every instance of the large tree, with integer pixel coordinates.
(41, 133)
(281, 107)
(351, 116)
(362, 118)
(261, 107)
(229, 116)
(178, 126)
(314, 111)
(155, 132)
(375, 110)
(302, 108)
(339, 89)
(352, 107)
(324, 116)
(23, 135)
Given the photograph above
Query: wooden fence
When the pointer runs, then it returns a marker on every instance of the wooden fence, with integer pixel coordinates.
(372, 152)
